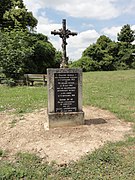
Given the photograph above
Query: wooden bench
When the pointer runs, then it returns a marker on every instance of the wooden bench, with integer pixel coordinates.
(31, 78)
(2, 79)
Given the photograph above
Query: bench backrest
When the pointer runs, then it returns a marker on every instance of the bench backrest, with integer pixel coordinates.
(35, 75)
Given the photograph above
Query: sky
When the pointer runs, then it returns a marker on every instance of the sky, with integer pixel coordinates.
(89, 18)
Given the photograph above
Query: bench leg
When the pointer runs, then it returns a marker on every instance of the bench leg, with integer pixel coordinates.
(32, 83)
(27, 83)
(45, 83)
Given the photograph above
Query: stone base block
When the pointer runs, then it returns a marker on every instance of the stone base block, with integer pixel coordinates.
(65, 119)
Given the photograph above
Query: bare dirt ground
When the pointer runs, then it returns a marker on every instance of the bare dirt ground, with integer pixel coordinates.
(27, 134)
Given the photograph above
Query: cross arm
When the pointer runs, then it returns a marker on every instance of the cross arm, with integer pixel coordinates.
(72, 33)
(56, 32)
(68, 32)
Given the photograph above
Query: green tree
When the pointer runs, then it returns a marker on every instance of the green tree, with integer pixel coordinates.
(99, 55)
(5, 5)
(42, 58)
(23, 52)
(94, 51)
(126, 34)
(13, 13)
(126, 49)
(14, 52)
(103, 41)
(106, 54)
(125, 57)
(86, 63)
(45, 54)
(107, 63)
(58, 59)
(113, 49)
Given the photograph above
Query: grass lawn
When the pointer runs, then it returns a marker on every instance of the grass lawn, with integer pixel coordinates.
(22, 99)
(113, 161)
(114, 91)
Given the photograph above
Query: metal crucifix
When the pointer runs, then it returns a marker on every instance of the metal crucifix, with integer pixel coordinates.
(64, 34)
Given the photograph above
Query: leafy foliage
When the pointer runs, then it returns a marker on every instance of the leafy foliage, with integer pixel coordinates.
(23, 52)
(86, 63)
(106, 55)
(103, 42)
(21, 49)
(43, 54)
(13, 14)
(126, 34)
(58, 58)
(14, 52)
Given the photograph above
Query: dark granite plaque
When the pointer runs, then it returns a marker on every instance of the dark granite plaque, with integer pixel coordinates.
(66, 92)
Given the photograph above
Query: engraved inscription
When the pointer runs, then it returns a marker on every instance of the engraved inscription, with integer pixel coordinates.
(66, 92)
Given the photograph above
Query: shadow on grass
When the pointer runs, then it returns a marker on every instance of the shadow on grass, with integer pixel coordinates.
(94, 121)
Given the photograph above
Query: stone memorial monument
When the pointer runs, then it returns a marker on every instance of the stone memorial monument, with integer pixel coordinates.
(64, 89)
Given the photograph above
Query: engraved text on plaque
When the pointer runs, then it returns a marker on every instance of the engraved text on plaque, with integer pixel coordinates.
(66, 92)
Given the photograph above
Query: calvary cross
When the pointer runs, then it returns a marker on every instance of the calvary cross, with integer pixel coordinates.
(64, 34)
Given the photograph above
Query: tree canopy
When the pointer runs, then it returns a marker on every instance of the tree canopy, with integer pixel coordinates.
(107, 55)
(13, 13)
(126, 34)
(22, 50)
(14, 52)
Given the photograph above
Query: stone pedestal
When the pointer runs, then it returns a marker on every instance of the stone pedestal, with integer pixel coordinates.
(65, 97)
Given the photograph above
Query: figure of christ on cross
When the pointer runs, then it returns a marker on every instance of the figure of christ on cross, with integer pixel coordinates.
(64, 34)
